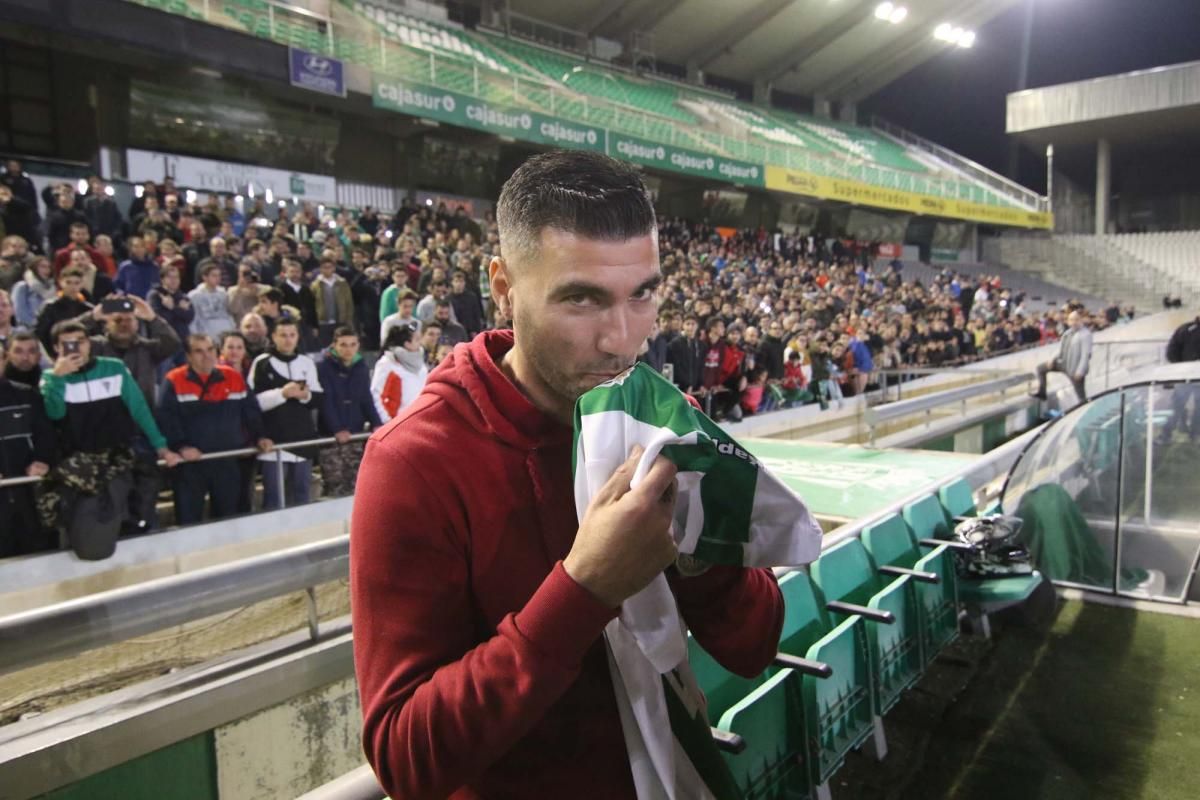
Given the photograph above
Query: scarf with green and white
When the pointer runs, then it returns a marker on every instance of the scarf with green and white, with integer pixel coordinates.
(729, 510)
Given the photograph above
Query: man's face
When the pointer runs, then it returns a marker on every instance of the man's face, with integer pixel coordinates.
(137, 248)
(327, 269)
(85, 346)
(406, 307)
(439, 291)
(293, 272)
(429, 338)
(170, 279)
(121, 327)
(24, 355)
(751, 335)
(202, 356)
(71, 285)
(217, 247)
(212, 278)
(400, 278)
(346, 348)
(79, 234)
(286, 337)
(775, 329)
(13, 167)
(5, 194)
(172, 202)
(442, 314)
(6, 309)
(689, 328)
(253, 328)
(734, 336)
(581, 308)
(458, 284)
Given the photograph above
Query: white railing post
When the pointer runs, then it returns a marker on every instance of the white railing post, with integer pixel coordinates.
(475, 78)
(271, 20)
(432, 69)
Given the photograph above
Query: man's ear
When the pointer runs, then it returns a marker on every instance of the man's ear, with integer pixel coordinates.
(500, 277)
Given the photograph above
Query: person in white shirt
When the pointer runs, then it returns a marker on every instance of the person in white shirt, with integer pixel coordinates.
(404, 317)
(399, 373)
(210, 302)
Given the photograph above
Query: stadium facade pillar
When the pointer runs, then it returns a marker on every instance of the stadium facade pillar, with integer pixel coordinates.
(762, 92)
(694, 74)
(822, 107)
(1103, 185)
(848, 112)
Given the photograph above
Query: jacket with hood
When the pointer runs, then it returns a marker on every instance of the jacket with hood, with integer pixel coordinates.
(396, 382)
(481, 666)
(347, 404)
(28, 297)
(285, 419)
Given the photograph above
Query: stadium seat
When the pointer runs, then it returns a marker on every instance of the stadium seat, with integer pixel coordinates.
(837, 704)
(852, 585)
(957, 500)
(892, 545)
(927, 519)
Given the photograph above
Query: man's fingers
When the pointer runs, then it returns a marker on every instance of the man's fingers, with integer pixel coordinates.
(618, 483)
(658, 480)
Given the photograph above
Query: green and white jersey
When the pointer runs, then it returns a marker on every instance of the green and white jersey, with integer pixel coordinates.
(729, 510)
(99, 407)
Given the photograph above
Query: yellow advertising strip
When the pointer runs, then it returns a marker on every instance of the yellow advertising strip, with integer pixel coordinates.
(782, 179)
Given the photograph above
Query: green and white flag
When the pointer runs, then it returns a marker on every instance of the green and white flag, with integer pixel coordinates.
(729, 510)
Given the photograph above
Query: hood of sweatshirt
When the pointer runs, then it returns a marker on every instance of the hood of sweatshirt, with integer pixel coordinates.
(471, 382)
(331, 353)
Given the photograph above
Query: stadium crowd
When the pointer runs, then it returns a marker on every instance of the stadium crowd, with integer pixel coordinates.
(167, 331)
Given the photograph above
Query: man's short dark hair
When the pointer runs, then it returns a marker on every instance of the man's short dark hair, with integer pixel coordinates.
(432, 323)
(196, 338)
(443, 303)
(272, 295)
(75, 225)
(206, 266)
(19, 336)
(285, 320)
(576, 191)
(398, 336)
(66, 326)
(344, 330)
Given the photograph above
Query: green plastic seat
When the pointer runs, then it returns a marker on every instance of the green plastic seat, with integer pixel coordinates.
(847, 574)
(838, 714)
(927, 519)
(957, 500)
(891, 543)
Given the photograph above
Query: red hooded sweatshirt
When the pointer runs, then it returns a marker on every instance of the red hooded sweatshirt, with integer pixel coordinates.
(481, 665)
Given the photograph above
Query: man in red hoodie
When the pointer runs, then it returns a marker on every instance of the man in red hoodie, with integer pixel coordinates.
(479, 598)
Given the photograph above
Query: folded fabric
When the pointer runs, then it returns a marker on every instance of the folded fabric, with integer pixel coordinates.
(729, 510)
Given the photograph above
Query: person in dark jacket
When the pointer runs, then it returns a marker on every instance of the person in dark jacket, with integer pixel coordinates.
(69, 304)
(346, 409)
(21, 185)
(297, 294)
(468, 309)
(26, 449)
(655, 353)
(101, 211)
(288, 389)
(170, 302)
(19, 218)
(1184, 346)
(207, 408)
(139, 273)
(60, 218)
(771, 351)
(686, 356)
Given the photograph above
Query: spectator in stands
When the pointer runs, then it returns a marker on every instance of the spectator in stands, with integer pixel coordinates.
(346, 409)
(169, 256)
(438, 291)
(390, 298)
(168, 301)
(468, 308)
(15, 259)
(69, 304)
(1073, 359)
(80, 239)
(404, 316)
(452, 332)
(21, 185)
(244, 295)
(210, 302)
(17, 218)
(431, 334)
(861, 364)
(288, 390)
(26, 450)
(270, 309)
(24, 365)
(103, 216)
(299, 296)
(60, 221)
(333, 300)
(99, 410)
(560, 228)
(686, 357)
(654, 351)
(771, 351)
(218, 248)
(7, 326)
(1183, 347)
(206, 408)
(116, 335)
(139, 273)
(400, 372)
(233, 352)
(254, 331)
(197, 249)
(108, 258)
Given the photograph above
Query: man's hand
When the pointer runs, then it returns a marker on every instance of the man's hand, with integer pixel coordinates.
(166, 300)
(625, 538)
(265, 445)
(190, 453)
(141, 309)
(292, 390)
(98, 313)
(68, 363)
(184, 303)
(170, 457)
(37, 469)
(342, 437)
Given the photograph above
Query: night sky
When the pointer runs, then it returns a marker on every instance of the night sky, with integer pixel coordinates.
(957, 98)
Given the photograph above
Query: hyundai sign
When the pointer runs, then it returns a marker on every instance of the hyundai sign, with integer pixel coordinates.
(316, 72)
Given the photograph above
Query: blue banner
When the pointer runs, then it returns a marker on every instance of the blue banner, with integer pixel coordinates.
(316, 72)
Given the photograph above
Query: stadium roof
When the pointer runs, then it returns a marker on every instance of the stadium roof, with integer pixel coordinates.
(836, 48)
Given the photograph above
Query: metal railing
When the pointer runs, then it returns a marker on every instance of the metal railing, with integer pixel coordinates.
(279, 449)
(878, 415)
(1005, 186)
(366, 42)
